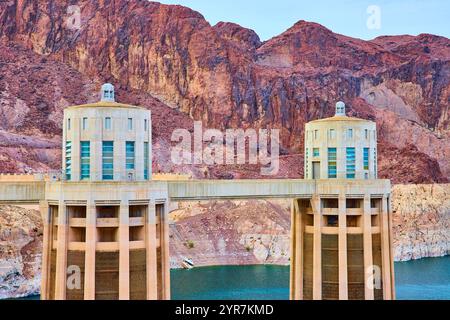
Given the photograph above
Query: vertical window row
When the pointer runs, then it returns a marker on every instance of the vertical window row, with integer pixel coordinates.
(68, 160)
(85, 160)
(107, 160)
(375, 163)
(350, 158)
(146, 160)
(129, 151)
(332, 163)
(306, 163)
(366, 158)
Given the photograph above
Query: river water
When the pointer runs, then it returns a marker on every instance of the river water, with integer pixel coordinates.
(427, 279)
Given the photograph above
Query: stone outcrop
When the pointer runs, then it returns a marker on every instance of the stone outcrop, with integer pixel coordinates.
(230, 233)
(20, 252)
(421, 221)
(223, 75)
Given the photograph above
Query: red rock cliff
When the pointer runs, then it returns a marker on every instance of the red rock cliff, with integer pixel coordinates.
(225, 76)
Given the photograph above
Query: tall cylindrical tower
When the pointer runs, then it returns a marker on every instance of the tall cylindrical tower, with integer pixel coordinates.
(107, 141)
(341, 245)
(340, 147)
(105, 222)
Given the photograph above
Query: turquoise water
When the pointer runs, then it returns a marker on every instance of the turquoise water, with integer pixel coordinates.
(427, 279)
(418, 279)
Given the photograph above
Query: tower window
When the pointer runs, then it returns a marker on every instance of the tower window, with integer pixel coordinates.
(108, 160)
(332, 164)
(316, 134)
(350, 133)
(316, 152)
(108, 123)
(68, 160)
(366, 158)
(130, 124)
(332, 134)
(129, 155)
(68, 124)
(145, 125)
(350, 156)
(366, 133)
(85, 160)
(146, 160)
(85, 124)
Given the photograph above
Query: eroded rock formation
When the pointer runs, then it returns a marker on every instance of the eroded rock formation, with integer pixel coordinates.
(421, 221)
(223, 75)
(20, 252)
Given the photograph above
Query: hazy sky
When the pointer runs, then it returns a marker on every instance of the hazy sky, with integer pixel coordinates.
(350, 17)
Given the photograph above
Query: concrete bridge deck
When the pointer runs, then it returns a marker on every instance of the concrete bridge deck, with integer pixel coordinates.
(33, 192)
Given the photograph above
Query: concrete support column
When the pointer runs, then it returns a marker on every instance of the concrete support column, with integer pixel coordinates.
(385, 250)
(391, 246)
(61, 253)
(124, 252)
(292, 287)
(89, 258)
(165, 251)
(342, 249)
(150, 244)
(317, 248)
(47, 243)
(296, 282)
(367, 244)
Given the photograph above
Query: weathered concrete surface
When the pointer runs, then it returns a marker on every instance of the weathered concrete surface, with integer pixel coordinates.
(33, 192)
(268, 189)
(22, 192)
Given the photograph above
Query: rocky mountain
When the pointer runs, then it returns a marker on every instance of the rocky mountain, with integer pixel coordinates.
(171, 60)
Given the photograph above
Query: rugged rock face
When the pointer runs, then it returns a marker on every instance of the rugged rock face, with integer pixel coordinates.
(20, 252)
(421, 221)
(230, 233)
(225, 76)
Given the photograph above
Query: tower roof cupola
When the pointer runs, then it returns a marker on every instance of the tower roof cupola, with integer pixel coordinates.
(107, 94)
(340, 108)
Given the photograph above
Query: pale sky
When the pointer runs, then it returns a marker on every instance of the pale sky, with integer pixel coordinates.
(349, 17)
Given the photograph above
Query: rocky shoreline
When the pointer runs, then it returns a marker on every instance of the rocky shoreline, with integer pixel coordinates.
(233, 233)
